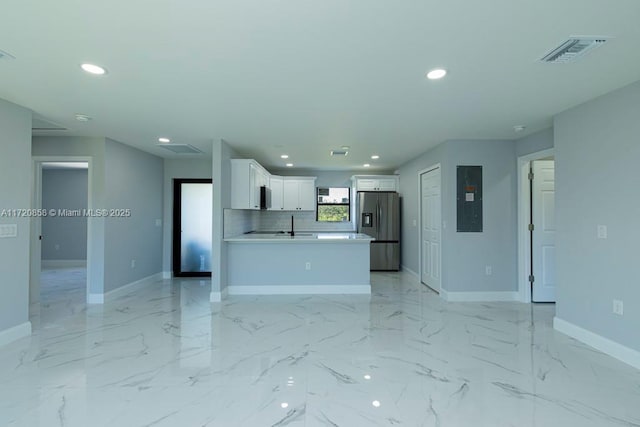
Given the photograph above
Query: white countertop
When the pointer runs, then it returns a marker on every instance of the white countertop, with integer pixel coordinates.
(301, 237)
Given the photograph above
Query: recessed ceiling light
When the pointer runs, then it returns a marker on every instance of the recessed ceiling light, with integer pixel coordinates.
(519, 128)
(284, 405)
(284, 156)
(436, 74)
(375, 157)
(376, 403)
(164, 140)
(366, 165)
(345, 147)
(93, 69)
(289, 165)
(83, 118)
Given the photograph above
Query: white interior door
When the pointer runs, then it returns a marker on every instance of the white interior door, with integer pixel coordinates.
(430, 223)
(543, 244)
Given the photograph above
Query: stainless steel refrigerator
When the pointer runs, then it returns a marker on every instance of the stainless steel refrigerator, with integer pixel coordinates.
(378, 215)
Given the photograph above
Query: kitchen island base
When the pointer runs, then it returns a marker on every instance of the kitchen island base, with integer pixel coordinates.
(298, 266)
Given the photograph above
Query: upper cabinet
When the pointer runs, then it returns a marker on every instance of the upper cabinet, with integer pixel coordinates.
(376, 182)
(285, 193)
(277, 193)
(299, 193)
(247, 176)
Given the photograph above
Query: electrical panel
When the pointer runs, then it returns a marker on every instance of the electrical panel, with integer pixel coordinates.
(469, 198)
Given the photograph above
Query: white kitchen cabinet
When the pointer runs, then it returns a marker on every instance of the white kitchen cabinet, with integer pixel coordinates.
(299, 193)
(277, 193)
(376, 182)
(247, 176)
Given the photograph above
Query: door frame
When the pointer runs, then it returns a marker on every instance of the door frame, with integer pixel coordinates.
(524, 208)
(35, 245)
(176, 232)
(420, 173)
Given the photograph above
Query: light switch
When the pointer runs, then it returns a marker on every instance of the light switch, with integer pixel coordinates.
(8, 230)
(602, 232)
(415, 223)
(158, 222)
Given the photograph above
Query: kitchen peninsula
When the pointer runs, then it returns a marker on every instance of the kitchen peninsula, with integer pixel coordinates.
(306, 263)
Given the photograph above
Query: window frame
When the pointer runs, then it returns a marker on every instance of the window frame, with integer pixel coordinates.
(318, 204)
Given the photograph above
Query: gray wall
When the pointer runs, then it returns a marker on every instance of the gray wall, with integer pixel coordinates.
(178, 168)
(533, 143)
(409, 186)
(133, 181)
(497, 244)
(597, 152)
(465, 255)
(64, 238)
(222, 154)
(15, 193)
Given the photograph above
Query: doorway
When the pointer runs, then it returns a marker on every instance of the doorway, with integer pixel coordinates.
(59, 237)
(192, 227)
(430, 227)
(536, 227)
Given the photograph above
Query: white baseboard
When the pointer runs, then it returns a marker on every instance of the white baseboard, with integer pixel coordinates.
(410, 271)
(15, 333)
(605, 345)
(299, 289)
(216, 296)
(63, 263)
(95, 298)
(479, 296)
(166, 275)
(125, 289)
(122, 290)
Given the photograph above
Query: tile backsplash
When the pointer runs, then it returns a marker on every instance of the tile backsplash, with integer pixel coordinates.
(240, 221)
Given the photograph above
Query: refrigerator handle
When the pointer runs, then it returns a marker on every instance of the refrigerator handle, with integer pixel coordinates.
(379, 217)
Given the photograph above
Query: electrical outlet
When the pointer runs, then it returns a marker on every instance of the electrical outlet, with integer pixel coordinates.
(158, 223)
(57, 246)
(307, 266)
(602, 232)
(618, 307)
(415, 223)
(8, 230)
(488, 270)
(133, 263)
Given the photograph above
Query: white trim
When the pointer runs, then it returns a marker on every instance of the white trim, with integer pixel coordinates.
(420, 173)
(95, 298)
(63, 263)
(216, 296)
(122, 290)
(409, 271)
(299, 289)
(605, 345)
(15, 333)
(166, 275)
(479, 296)
(130, 287)
(524, 252)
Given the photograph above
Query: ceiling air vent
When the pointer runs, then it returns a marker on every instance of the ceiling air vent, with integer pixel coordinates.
(39, 124)
(339, 153)
(5, 55)
(180, 148)
(572, 49)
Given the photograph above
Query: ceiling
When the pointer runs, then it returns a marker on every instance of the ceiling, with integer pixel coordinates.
(303, 77)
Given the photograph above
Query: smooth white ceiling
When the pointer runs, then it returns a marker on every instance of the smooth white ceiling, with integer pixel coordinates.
(305, 76)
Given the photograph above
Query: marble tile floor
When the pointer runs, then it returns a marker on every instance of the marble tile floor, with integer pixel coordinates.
(62, 292)
(164, 356)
